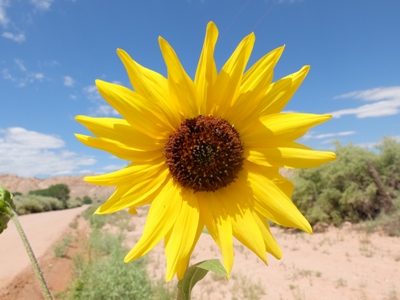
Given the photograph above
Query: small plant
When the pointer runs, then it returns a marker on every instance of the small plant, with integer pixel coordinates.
(247, 289)
(112, 278)
(61, 248)
(341, 283)
(74, 224)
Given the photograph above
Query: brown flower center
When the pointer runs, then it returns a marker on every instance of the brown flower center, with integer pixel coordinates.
(204, 154)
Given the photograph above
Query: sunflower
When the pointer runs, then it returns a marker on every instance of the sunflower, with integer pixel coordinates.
(205, 152)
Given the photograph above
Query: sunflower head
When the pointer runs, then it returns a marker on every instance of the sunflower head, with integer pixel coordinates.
(205, 152)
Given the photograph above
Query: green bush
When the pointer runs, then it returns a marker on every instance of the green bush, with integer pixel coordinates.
(26, 204)
(106, 276)
(87, 200)
(74, 203)
(59, 191)
(344, 190)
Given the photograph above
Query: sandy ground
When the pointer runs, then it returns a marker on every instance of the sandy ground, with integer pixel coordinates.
(337, 264)
(42, 230)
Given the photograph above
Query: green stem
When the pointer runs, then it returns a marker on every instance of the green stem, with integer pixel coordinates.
(35, 265)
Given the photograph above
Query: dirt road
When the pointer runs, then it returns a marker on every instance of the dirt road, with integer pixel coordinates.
(42, 230)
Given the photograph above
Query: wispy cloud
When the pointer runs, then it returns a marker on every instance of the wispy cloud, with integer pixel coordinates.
(91, 92)
(14, 37)
(30, 153)
(20, 64)
(41, 4)
(310, 135)
(3, 15)
(103, 111)
(113, 167)
(387, 103)
(69, 81)
(24, 76)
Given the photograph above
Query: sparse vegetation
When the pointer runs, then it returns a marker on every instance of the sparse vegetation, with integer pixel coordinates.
(344, 190)
(102, 274)
(27, 204)
(60, 248)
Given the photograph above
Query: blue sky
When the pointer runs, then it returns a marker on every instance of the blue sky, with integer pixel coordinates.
(51, 51)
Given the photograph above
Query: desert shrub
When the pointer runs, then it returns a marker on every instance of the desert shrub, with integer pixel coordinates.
(106, 276)
(343, 190)
(74, 203)
(59, 191)
(26, 204)
(87, 200)
(61, 247)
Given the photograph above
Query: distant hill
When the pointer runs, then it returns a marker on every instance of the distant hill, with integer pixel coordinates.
(78, 187)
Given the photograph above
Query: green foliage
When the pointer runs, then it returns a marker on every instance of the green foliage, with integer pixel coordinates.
(344, 190)
(74, 203)
(27, 204)
(195, 273)
(60, 248)
(59, 191)
(6, 207)
(106, 276)
(87, 200)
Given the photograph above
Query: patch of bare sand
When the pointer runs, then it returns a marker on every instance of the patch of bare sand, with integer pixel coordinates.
(337, 264)
(42, 230)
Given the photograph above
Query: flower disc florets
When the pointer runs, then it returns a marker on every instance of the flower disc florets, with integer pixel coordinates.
(204, 154)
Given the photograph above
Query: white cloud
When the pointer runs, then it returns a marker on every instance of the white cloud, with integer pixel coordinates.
(388, 103)
(113, 167)
(14, 37)
(73, 97)
(91, 92)
(27, 76)
(20, 64)
(310, 135)
(103, 111)
(68, 81)
(41, 4)
(29, 153)
(38, 76)
(3, 15)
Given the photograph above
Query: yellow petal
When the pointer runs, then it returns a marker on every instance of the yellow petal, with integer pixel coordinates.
(255, 83)
(227, 85)
(181, 87)
(119, 150)
(120, 131)
(163, 213)
(289, 157)
(272, 173)
(132, 210)
(130, 174)
(152, 86)
(280, 92)
(272, 203)
(137, 194)
(138, 111)
(206, 72)
(180, 241)
(218, 224)
(279, 128)
(245, 228)
(270, 242)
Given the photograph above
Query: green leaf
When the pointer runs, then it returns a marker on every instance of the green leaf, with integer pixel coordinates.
(196, 273)
(6, 206)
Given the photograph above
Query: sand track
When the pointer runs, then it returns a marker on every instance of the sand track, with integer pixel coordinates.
(42, 230)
